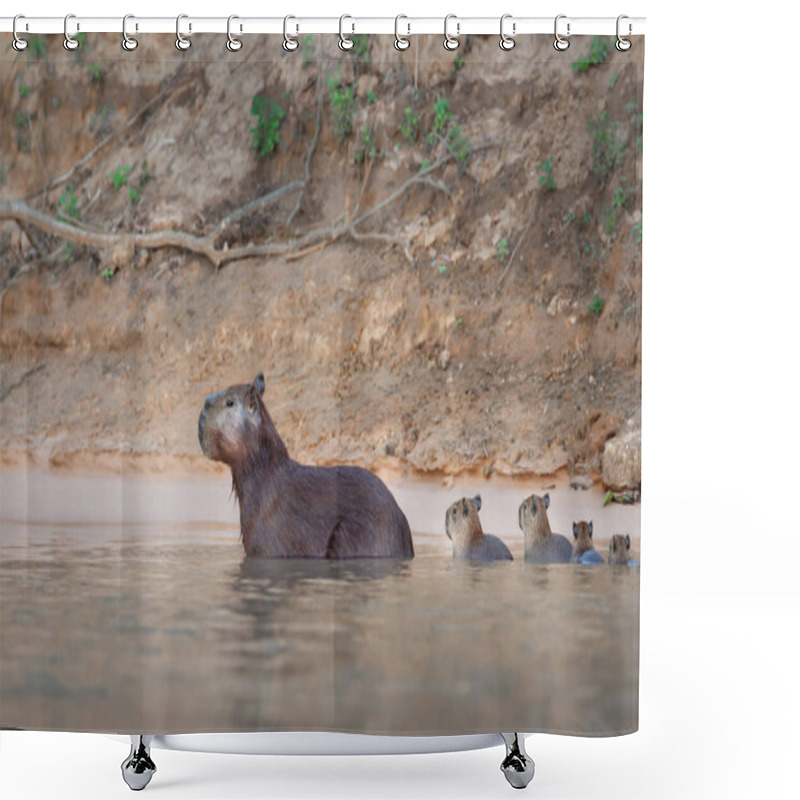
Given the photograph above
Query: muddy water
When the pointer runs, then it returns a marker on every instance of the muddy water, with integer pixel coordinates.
(126, 604)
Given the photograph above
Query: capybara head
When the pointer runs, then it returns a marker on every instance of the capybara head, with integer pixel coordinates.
(582, 531)
(533, 511)
(231, 421)
(461, 522)
(618, 549)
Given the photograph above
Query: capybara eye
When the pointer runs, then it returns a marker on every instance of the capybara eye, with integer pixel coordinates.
(229, 403)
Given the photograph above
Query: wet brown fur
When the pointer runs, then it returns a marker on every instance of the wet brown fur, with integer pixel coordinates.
(288, 509)
(542, 546)
(582, 533)
(463, 527)
(619, 550)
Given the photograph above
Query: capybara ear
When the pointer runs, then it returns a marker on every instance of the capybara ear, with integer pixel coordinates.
(591, 527)
(477, 501)
(259, 383)
(575, 529)
(252, 399)
(546, 499)
(627, 541)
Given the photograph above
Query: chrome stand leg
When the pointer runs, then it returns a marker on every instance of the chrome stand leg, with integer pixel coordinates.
(517, 766)
(138, 768)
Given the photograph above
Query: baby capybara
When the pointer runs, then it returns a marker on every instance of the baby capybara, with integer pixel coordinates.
(291, 510)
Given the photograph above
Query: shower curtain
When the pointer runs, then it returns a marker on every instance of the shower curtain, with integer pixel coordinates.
(320, 403)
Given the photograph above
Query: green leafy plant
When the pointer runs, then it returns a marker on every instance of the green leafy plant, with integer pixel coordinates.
(442, 269)
(107, 274)
(597, 304)
(503, 250)
(308, 50)
(636, 232)
(452, 135)
(37, 48)
(409, 127)
(606, 148)
(22, 122)
(598, 52)
(620, 197)
(441, 118)
(458, 145)
(266, 134)
(24, 91)
(69, 253)
(366, 146)
(135, 192)
(68, 204)
(546, 178)
(613, 82)
(570, 217)
(360, 48)
(425, 165)
(95, 73)
(371, 97)
(119, 177)
(146, 176)
(342, 107)
(458, 61)
(610, 220)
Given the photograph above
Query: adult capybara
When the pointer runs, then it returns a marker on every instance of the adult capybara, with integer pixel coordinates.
(291, 510)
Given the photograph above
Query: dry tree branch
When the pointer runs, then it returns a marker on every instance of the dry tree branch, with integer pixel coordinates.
(204, 245)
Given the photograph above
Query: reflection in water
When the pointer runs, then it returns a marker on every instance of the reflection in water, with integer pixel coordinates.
(123, 628)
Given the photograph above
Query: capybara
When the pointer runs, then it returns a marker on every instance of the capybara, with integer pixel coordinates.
(463, 527)
(619, 550)
(542, 546)
(583, 551)
(292, 510)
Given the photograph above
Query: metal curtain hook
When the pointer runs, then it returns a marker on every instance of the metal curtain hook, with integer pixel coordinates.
(451, 42)
(128, 42)
(345, 43)
(233, 44)
(561, 43)
(507, 42)
(181, 42)
(623, 44)
(70, 42)
(401, 42)
(19, 44)
(290, 43)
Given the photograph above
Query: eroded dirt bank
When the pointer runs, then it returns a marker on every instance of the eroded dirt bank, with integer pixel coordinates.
(487, 324)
